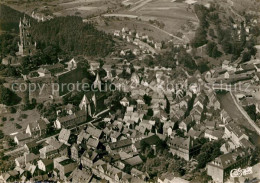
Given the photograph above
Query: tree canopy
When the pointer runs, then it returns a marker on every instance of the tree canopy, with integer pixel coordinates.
(8, 97)
(71, 35)
(9, 18)
(208, 152)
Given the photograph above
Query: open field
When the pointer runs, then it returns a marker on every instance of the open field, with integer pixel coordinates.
(83, 8)
(163, 19)
(141, 4)
(173, 15)
(170, 18)
(22, 118)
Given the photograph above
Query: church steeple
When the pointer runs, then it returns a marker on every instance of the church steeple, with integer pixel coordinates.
(97, 82)
(20, 23)
(84, 103)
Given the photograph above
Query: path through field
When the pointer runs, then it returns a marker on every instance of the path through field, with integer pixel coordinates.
(140, 5)
(164, 31)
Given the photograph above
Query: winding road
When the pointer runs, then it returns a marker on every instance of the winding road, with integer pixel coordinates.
(232, 89)
(240, 108)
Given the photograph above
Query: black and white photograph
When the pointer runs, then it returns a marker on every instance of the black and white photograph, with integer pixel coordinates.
(130, 91)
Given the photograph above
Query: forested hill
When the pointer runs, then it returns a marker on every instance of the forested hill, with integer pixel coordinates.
(71, 35)
(9, 19)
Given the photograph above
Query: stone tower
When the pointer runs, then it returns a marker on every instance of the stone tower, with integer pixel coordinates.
(26, 47)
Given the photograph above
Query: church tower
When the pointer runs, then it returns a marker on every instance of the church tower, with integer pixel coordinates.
(85, 105)
(26, 47)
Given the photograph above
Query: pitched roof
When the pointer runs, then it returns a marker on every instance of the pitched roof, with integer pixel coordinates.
(179, 142)
(152, 140)
(22, 136)
(93, 142)
(80, 113)
(21, 160)
(64, 135)
(94, 132)
(136, 160)
(47, 162)
(215, 133)
(54, 143)
(42, 124)
(227, 160)
(66, 118)
(124, 100)
(188, 120)
(30, 157)
(81, 176)
(210, 124)
(115, 134)
(248, 67)
(81, 136)
(246, 144)
(123, 155)
(90, 154)
(66, 162)
(120, 144)
(194, 133)
(237, 130)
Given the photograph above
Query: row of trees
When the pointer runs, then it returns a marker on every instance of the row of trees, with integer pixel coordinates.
(201, 33)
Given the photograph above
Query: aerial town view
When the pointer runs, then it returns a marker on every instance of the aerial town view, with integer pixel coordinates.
(130, 91)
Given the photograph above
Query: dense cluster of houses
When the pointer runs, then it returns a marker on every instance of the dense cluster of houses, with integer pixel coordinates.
(233, 73)
(245, 76)
(87, 152)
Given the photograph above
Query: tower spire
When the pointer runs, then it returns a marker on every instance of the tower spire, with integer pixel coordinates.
(26, 46)
(97, 82)
(20, 23)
